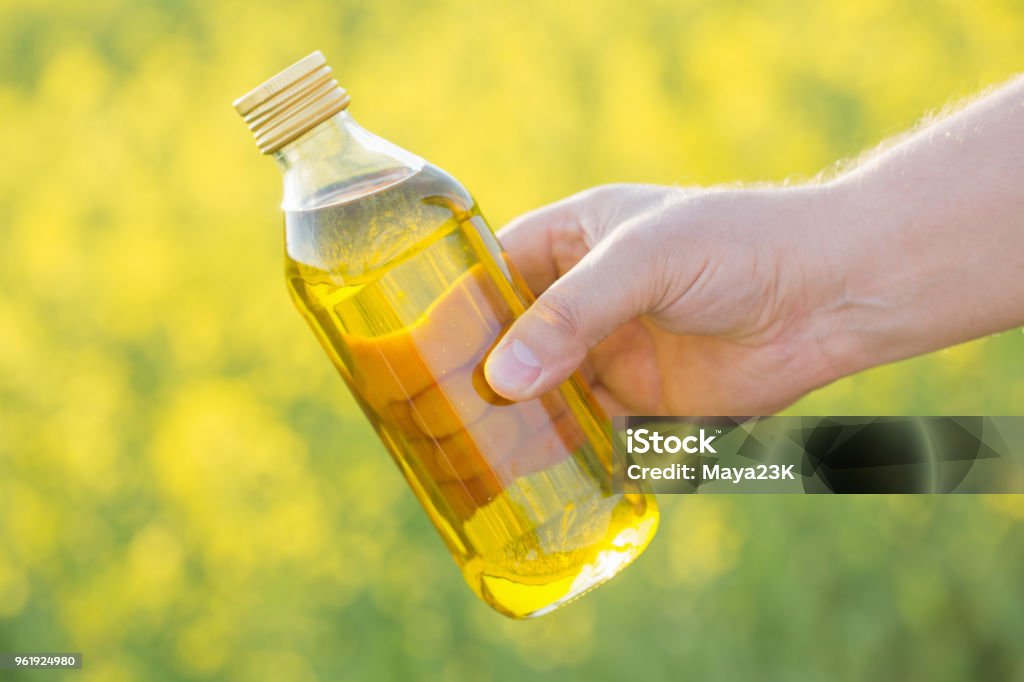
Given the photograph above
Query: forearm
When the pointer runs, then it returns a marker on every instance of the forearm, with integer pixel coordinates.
(928, 242)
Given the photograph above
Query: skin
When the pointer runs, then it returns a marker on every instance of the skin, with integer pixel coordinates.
(740, 301)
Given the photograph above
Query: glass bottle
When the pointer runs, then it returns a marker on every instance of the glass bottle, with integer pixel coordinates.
(391, 263)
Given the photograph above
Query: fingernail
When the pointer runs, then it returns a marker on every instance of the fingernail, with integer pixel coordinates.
(513, 367)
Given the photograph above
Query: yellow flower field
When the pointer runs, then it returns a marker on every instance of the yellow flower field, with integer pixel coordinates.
(188, 492)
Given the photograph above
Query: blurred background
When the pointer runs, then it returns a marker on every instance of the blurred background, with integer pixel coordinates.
(188, 492)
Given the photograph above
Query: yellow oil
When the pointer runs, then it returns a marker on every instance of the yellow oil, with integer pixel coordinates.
(407, 290)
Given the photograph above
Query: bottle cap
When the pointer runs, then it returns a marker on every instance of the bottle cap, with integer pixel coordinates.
(291, 103)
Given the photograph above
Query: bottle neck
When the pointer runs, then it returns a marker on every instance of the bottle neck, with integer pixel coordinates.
(338, 158)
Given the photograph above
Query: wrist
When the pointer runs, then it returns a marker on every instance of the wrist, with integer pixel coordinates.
(828, 339)
(878, 268)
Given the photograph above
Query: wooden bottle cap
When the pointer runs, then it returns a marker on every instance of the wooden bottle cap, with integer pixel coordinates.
(282, 109)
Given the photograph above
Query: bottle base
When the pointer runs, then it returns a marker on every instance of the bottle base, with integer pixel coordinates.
(537, 583)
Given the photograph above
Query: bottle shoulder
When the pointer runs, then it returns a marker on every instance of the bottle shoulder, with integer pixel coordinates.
(367, 223)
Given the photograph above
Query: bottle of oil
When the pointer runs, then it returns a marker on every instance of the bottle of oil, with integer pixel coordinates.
(398, 274)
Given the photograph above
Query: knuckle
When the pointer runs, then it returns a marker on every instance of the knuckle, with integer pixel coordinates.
(651, 261)
(598, 210)
(560, 313)
(640, 243)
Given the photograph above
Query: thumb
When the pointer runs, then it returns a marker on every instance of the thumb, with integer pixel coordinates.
(608, 287)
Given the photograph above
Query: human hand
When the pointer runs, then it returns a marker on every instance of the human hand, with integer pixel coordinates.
(739, 301)
(687, 301)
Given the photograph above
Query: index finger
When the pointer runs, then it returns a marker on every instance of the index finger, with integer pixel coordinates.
(536, 242)
(544, 243)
